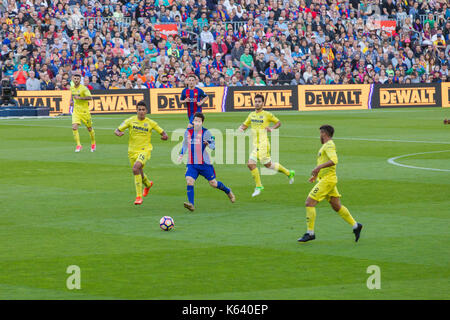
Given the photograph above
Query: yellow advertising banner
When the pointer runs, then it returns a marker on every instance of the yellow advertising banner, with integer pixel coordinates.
(334, 97)
(167, 101)
(445, 94)
(275, 98)
(116, 101)
(103, 101)
(57, 100)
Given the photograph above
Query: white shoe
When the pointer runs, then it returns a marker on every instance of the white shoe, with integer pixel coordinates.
(257, 191)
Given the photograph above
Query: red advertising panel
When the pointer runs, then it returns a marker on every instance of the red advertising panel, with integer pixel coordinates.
(167, 29)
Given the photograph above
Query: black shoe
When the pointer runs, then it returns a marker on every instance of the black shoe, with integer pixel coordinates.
(306, 237)
(357, 231)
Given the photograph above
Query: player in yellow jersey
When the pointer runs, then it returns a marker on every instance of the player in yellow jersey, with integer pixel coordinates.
(325, 173)
(260, 121)
(81, 96)
(140, 146)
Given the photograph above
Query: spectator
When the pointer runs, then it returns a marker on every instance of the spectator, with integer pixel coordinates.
(219, 46)
(46, 83)
(32, 84)
(235, 82)
(247, 63)
(236, 54)
(20, 78)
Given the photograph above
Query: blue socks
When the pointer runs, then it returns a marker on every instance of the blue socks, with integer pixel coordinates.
(222, 187)
(190, 194)
(190, 191)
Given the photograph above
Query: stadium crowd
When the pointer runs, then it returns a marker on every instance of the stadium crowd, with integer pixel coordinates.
(115, 44)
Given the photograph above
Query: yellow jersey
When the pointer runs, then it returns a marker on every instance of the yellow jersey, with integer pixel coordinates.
(326, 153)
(258, 122)
(80, 105)
(140, 133)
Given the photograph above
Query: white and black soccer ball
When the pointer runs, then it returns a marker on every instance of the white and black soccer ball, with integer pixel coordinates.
(166, 223)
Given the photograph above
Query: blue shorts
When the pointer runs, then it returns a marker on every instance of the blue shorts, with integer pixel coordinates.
(191, 118)
(206, 170)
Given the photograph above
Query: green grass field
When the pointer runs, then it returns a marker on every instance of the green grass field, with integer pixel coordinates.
(59, 208)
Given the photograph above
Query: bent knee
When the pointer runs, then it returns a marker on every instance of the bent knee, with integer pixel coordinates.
(310, 202)
(137, 168)
(268, 165)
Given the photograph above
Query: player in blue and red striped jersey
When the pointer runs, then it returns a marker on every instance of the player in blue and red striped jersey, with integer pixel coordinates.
(193, 97)
(196, 139)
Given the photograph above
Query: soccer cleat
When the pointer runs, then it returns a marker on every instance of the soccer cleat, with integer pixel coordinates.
(357, 231)
(93, 147)
(189, 206)
(291, 176)
(231, 196)
(146, 190)
(78, 149)
(446, 121)
(306, 237)
(257, 191)
(138, 200)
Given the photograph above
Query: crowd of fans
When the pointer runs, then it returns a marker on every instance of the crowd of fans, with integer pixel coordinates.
(115, 44)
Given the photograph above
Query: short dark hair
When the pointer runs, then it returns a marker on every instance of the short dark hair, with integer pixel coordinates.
(328, 129)
(260, 96)
(200, 115)
(141, 103)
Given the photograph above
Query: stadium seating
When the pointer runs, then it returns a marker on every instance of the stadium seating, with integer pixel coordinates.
(129, 44)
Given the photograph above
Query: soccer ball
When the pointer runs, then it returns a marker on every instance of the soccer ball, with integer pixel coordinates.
(166, 223)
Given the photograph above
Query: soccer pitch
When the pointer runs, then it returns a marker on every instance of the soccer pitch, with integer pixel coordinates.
(60, 208)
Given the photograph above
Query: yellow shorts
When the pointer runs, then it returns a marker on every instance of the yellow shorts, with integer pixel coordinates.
(141, 156)
(82, 117)
(261, 154)
(324, 189)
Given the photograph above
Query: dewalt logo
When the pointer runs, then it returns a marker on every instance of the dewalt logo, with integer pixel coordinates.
(327, 98)
(391, 97)
(273, 99)
(167, 101)
(115, 102)
(58, 101)
(333, 97)
(52, 102)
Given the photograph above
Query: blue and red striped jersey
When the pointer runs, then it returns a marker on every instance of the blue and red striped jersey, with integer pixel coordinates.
(195, 95)
(194, 146)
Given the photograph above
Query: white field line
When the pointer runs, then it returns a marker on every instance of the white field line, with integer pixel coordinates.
(392, 161)
(224, 114)
(287, 136)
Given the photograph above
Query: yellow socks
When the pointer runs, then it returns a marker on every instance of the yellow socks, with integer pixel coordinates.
(92, 134)
(345, 214)
(278, 167)
(256, 177)
(310, 219)
(76, 136)
(138, 182)
(146, 181)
